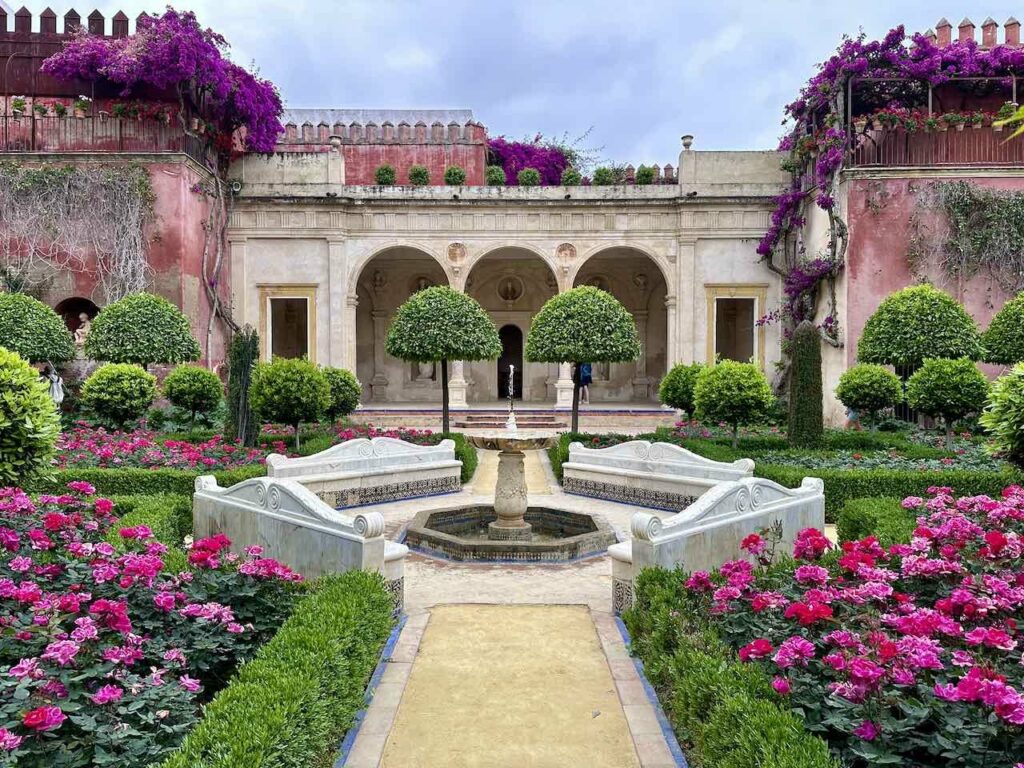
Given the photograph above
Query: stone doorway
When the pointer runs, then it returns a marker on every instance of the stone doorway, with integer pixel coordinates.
(511, 354)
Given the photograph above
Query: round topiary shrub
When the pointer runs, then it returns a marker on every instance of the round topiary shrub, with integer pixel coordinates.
(385, 175)
(733, 393)
(868, 389)
(29, 422)
(603, 177)
(644, 175)
(345, 392)
(1003, 417)
(528, 177)
(676, 389)
(495, 176)
(33, 330)
(1003, 342)
(571, 177)
(289, 391)
(118, 393)
(419, 176)
(193, 389)
(141, 329)
(947, 388)
(917, 323)
(454, 176)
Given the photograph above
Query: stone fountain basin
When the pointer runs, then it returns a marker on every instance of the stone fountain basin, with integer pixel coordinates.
(505, 440)
(460, 533)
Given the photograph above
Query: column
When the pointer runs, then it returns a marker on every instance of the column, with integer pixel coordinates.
(641, 384)
(684, 349)
(240, 284)
(379, 382)
(337, 290)
(348, 321)
(564, 387)
(457, 385)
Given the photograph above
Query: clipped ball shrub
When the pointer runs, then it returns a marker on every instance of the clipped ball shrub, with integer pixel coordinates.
(495, 176)
(33, 330)
(118, 393)
(947, 388)
(571, 177)
(528, 177)
(806, 425)
(193, 389)
(917, 323)
(419, 176)
(385, 175)
(1003, 417)
(733, 393)
(868, 389)
(345, 392)
(29, 422)
(141, 329)
(644, 175)
(603, 177)
(676, 389)
(289, 391)
(1003, 341)
(454, 176)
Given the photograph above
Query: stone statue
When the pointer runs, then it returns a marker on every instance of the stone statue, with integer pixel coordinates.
(56, 384)
(83, 329)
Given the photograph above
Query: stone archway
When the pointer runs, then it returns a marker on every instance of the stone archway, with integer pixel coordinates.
(637, 281)
(384, 283)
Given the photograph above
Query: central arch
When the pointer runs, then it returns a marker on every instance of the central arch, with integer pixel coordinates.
(510, 364)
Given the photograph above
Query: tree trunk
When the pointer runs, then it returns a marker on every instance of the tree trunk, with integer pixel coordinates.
(735, 436)
(949, 433)
(444, 397)
(299, 424)
(575, 398)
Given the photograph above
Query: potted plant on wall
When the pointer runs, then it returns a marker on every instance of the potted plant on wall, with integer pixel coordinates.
(976, 119)
(1005, 113)
(18, 106)
(60, 109)
(81, 106)
(40, 109)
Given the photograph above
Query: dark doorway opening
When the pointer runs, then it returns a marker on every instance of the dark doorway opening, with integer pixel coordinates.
(511, 354)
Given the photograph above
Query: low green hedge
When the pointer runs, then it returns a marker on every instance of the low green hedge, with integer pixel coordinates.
(130, 481)
(169, 516)
(724, 713)
(464, 451)
(290, 705)
(884, 518)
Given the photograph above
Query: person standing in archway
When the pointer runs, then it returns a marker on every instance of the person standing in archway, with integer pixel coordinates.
(586, 377)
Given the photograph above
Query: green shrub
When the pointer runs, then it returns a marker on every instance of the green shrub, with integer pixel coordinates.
(290, 706)
(806, 423)
(734, 393)
(571, 177)
(676, 389)
(495, 176)
(419, 175)
(454, 176)
(345, 392)
(130, 481)
(289, 391)
(141, 329)
(1003, 417)
(29, 421)
(243, 354)
(528, 177)
(385, 175)
(868, 389)
(603, 177)
(883, 517)
(193, 389)
(118, 393)
(33, 330)
(916, 323)
(1003, 341)
(947, 388)
(644, 175)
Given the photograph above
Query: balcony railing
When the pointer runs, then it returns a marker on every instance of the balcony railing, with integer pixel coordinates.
(980, 146)
(100, 133)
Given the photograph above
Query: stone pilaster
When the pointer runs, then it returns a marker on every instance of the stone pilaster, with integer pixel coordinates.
(685, 350)
(349, 322)
(337, 291)
(641, 384)
(379, 382)
(457, 385)
(240, 285)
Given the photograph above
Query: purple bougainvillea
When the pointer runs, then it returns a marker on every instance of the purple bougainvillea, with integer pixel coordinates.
(550, 161)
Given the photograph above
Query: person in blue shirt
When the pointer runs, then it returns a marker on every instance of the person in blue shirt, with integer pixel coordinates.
(586, 377)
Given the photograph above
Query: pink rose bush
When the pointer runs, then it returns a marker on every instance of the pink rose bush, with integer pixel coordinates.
(105, 657)
(912, 655)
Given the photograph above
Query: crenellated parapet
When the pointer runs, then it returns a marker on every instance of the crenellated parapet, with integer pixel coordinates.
(22, 28)
(943, 33)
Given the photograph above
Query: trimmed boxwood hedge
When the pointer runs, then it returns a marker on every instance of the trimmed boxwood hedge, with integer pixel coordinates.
(130, 481)
(884, 518)
(290, 705)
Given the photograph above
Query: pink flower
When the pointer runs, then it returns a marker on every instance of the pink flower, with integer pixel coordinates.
(20, 564)
(107, 694)
(811, 574)
(61, 651)
(9, 741)
(810, 544)
(26, 668)
(44, 718)
(794, 651)
(867, 731)
(758, 649)
(781, 685)
(753, 544)
(699, 581)
(82, 487)
(189, 683)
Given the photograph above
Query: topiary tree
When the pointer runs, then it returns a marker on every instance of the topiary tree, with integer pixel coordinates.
(571, 177)
(495, 176)
(1003, 417)
(289, 391)
(734, 393)
(454, 176)
(584, 325)
(806, 425)
(868, 389)
(528, 177)
(243, 354)
(676, 389)
(193, 389)
(119, 393)
(29, 421)
(1003, 341)
(33, 330)
(419, 175)
(345, 392)
(603, 177)
(916, 323)
(439, 324)
(644, 175)
(141, 329)
(947, 388)
(385, 175)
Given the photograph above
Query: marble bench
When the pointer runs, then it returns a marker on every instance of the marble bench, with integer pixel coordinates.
(655, 475)
(370, 471)
(296, 527)
(709, 532)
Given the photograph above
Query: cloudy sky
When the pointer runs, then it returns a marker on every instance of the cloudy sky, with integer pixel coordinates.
(638, 73)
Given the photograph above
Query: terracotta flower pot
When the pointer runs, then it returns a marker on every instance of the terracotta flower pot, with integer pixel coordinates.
(79, 113)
